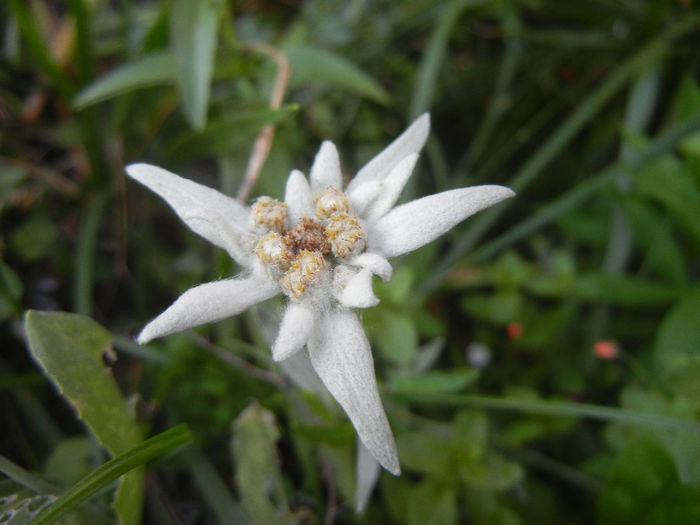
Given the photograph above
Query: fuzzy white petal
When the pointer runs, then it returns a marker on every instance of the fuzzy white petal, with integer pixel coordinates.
(357, 292)
(410, 141)
(363, 195)
(367, 476)
(392, 186)
(298, 197)
(208, 303)
(210, 225)
(295, 330)
(377, 264)
(298, 368)
(419, 222)
(342, 358)
(325, 171)
(203, 209)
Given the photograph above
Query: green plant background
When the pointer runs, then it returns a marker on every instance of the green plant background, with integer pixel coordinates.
(489, 343)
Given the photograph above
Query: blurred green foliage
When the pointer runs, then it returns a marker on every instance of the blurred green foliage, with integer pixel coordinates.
(495, 346)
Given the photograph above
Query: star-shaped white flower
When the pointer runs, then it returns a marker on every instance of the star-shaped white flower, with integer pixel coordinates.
(320, 248)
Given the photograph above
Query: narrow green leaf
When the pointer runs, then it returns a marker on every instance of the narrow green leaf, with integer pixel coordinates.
(582, 191)
(87, 253)
(113, 469)
(150, 70)
(670, 182)
(434, 56)
(311, 64)
(677, 345)
(30, 31)
(559, 138)
(555, 408)
(258, 474)
(27, 479)
(436, 381)
(69, 348)
(193, 36)
(652, 229)
(621, 289)
(213, 489)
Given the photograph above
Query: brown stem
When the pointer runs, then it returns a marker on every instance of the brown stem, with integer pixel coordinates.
(263, 143)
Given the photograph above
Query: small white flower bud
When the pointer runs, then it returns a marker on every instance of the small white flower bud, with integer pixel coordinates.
(346, 235)
(331, 201)
(307, 269)
(269, 214)
(272, 251)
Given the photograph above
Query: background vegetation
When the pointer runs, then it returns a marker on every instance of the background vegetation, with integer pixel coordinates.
(538, 365)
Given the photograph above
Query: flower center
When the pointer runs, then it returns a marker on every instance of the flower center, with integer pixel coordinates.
(302, 257)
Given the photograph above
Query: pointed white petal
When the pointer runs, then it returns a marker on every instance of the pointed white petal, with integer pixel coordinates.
(418, 222)
(208, 303)
(298, 197)
(210, 225)
(410, 141)
(298, 368)
(374, 262)
(295, 330)
(342, 358)
(392, 186)
(325, 171)
(203, 209)
(357, 292)
(362, 195)
(367, 476)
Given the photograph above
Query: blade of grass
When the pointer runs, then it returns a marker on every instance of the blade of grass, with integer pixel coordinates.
(38, 48)
(557, 409)
(110, 471)
(506, 71)
(561, 136)
(25, 478)
(641, 102)
(86, 254)
(583, 190)
(149, 70)
(433, 57)
(85, 59)
(214, 489)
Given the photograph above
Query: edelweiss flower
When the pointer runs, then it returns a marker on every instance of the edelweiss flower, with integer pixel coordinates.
(320, 248)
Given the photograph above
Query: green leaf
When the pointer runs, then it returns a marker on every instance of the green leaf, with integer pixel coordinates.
(113, 469)
(677, 345)
(154, 69)
(258, 474)
(670, 182)
(10, 292)
(605, 288)
(663, 252)
(643, 488)
(436, 381)
(431, 502)
(622, 289)
(491, 472)
(222, 135)
(425, 452)
(194, 31)
(70, 460)
(434, 56)
(35, 237)
(396, 336)
(69, 348)
(310, 64)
